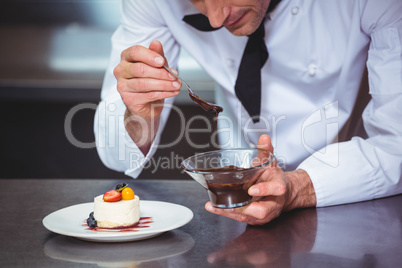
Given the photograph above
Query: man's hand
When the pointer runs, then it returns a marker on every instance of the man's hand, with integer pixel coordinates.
(274, 192)
(143, 86)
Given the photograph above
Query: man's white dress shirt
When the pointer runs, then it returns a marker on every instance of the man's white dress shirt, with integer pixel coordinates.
(318, 51)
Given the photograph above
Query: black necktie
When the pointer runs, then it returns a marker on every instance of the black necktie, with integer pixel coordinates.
(248, 82)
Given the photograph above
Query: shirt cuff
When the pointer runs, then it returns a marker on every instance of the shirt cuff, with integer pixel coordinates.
(341, 174)
(115, 147)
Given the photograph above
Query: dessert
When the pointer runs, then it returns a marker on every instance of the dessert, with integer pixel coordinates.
(118, 208)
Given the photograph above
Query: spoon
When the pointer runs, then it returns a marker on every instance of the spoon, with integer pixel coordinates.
(207, 106)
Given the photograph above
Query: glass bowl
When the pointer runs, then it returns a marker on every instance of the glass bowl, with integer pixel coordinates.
(227, 174)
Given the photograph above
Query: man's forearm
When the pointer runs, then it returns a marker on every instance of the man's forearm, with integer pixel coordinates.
(301, 190)
(142, 131)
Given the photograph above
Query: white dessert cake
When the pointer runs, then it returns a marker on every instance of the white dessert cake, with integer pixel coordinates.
(123, 213)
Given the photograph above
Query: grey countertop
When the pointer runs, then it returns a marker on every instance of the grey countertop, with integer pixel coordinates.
(367, 234)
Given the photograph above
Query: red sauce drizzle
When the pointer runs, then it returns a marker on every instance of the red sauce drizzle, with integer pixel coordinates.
(142, 223)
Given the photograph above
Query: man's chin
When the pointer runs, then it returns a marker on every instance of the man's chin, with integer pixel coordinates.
(244, 29)
(240, 31)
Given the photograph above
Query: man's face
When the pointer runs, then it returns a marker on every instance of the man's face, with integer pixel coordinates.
(240, 17)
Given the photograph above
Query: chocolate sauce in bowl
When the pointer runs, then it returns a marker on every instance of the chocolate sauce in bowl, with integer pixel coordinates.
(227, 195)
(223, 194)
(225, 169)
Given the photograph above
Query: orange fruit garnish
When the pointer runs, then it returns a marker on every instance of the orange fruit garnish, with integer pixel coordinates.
(127, 193)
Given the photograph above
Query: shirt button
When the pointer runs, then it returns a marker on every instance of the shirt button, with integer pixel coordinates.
(295, 10)
(312, 70)
(111, 107)
(230, 62)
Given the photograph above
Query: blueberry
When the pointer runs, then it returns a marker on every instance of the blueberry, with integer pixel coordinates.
(92, 223)
(91, 215)
(119, 187)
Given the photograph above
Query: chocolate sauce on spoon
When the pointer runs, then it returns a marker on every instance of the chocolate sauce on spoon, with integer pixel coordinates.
(207, 106)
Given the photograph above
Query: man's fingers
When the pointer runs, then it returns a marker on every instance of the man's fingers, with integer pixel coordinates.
(240, 214)
(157, 47)
(255, 213)
(128, 70)
(230, 213)
(142, 54)
(274, 188)
(265, 151)
(144, 85)
(264, 143)
(144, 98)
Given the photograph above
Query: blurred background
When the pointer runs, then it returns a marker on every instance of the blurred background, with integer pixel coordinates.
(53, 57)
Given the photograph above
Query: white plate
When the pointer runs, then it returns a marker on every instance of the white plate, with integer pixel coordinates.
(70, 221)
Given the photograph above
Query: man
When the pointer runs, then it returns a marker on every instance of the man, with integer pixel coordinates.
(309, 85)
